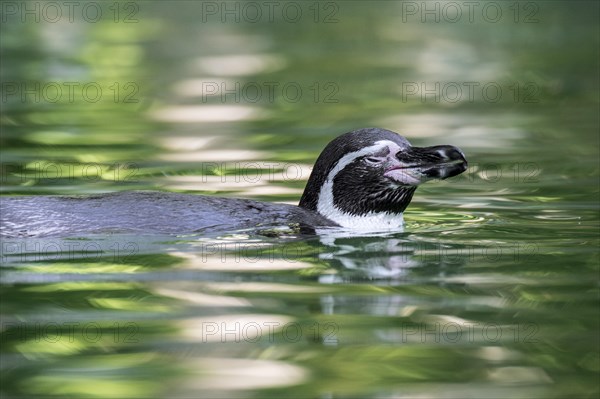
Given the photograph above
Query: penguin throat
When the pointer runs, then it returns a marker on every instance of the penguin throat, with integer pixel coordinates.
(373, 221)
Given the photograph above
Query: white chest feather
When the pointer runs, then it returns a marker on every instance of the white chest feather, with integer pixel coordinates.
(371, 221)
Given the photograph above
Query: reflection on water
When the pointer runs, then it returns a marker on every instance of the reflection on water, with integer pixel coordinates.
(490, 291)
(298, 314)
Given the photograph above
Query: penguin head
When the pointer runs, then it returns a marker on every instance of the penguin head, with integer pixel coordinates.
(366, 178)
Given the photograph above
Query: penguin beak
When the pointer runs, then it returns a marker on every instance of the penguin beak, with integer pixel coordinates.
(416, 165)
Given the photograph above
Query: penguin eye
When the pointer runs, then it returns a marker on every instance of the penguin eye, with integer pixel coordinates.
(373, 160)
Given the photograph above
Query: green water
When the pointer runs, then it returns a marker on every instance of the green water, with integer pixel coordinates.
(490, 291)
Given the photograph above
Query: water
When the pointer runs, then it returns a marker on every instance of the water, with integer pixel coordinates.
(490, 291)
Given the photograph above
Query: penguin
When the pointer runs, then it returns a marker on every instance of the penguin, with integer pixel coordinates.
(363, 180)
